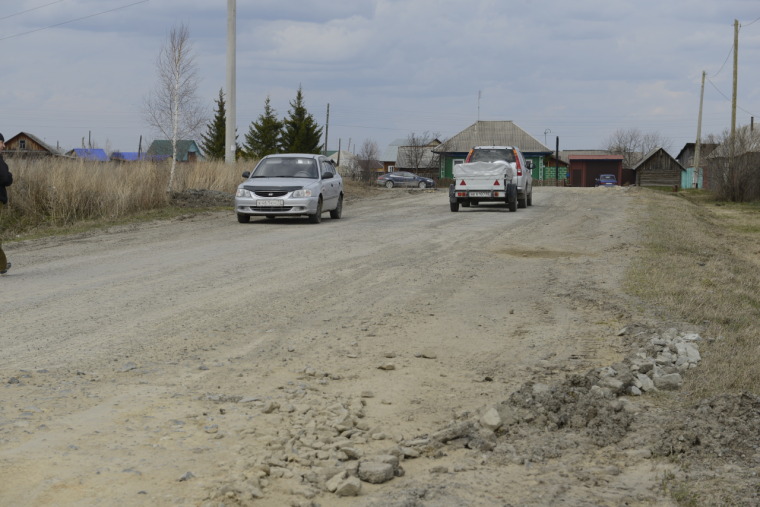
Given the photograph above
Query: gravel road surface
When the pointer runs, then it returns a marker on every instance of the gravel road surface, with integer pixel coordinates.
(159, 364)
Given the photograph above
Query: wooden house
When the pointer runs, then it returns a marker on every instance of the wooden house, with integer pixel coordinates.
(389, 156)
(187, 151)
(27, 145)
(419, 159)
(691, 178)
(658, 169)
(490, 133)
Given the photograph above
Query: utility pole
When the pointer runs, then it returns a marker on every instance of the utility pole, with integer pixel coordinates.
(230, 122)
(736, 74)
(698, 145)
(556, 165)
(327, 127)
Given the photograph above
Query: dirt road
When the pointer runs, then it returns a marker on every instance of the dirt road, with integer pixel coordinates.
(203, 361)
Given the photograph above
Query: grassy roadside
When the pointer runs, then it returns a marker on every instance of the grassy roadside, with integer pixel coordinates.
(58, 197)
(701, 264)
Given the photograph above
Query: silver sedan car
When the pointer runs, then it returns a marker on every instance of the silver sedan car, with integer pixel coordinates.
(292, 184)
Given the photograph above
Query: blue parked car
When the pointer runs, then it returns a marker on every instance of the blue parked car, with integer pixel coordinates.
(606, 180)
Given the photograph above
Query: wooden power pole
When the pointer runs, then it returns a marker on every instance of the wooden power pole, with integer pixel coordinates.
(698, 146)
(230, 122)
(736, 74)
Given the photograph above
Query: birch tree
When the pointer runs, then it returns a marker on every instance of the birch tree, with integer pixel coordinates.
(173, 108)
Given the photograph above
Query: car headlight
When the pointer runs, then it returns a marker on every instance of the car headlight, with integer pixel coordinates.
(303, 192)
(241, 192)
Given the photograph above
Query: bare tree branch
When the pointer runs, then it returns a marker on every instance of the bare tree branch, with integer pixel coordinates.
(173, 108)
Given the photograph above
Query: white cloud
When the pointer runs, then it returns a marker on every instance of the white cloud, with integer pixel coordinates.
(387, 67)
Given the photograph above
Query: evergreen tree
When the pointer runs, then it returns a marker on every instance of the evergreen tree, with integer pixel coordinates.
(213, 141)
(264, 135)
(300, 134)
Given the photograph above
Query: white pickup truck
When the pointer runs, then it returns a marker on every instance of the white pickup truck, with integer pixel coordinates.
(492, 174)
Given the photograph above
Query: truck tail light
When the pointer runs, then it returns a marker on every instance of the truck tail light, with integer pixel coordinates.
(517, 163)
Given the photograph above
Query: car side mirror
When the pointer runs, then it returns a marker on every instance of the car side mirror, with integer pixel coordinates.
(327, 176)
(246, 174)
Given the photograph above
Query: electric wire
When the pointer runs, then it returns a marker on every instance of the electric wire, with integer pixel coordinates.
(29, 10)
(13, 36)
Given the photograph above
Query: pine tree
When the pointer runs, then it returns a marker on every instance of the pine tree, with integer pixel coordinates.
(213, 141)
(300, 134)
(264, 135)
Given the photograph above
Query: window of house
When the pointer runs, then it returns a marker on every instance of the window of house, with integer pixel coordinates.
(22, 144)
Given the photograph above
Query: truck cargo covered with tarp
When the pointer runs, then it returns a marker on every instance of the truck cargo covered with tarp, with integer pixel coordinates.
(480, 170)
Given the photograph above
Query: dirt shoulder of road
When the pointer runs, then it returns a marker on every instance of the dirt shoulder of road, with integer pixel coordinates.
(453, 359)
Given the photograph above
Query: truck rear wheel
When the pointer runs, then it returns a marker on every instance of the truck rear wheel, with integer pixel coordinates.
(454, 206)
(512, 196)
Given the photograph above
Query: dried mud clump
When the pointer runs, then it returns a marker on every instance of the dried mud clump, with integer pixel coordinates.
(722, 427)
(577, 405)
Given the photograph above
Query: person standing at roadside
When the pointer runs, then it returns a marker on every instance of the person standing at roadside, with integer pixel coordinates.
(6, 178)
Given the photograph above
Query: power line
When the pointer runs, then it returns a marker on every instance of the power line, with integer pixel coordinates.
(729, 100)
(30, 10)
(72, 20)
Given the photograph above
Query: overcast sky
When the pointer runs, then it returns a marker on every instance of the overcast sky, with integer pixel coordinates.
(81, 69)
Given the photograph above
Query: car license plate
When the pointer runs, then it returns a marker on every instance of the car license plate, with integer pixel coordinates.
(480, 194)
(269, 203)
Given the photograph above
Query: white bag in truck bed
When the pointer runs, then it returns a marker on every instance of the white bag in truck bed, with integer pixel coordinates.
(501, 170)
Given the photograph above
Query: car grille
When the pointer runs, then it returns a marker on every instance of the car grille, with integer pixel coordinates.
(271, 191)
(271, 208)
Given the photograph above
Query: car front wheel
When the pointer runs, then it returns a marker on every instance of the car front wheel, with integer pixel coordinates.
(389, 184)
(243, 218)
(317, 217)
(423, 184)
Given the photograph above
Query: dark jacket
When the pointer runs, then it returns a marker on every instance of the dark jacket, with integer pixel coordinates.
(6, 178)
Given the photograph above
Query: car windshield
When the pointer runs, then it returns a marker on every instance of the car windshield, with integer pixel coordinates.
(290, 167)
(492, 155)
(607, 177)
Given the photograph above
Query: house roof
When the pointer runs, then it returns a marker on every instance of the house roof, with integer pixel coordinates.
(492, 133)
(391, 151)
(162, 148)
(95, 154)
(706, 148)
(654, 152)
(36, 139)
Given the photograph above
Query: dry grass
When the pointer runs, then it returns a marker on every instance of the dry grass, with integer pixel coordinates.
(702, 265)
(56, 193)
(51, 196)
